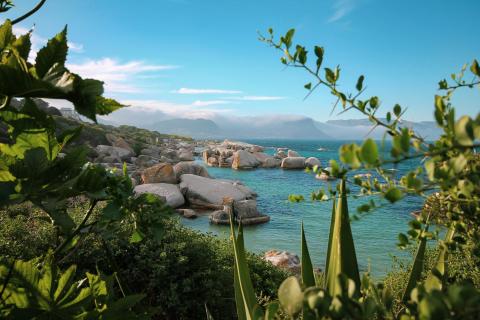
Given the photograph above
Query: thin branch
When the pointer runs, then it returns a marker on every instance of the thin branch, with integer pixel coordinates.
(77, 230)
(28, 14)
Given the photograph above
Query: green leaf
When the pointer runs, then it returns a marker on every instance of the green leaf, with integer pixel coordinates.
(6, 34)
(475, 68)
(319, 51)
(397, 110)
(393, 194)
(244, 294)
(23, 45)
(308, 276)
(342, 259)
(308, 86)
(136, 236)
(271, 310)
(290, 296)
(374, 102)
(359, 85)
(349, 155)
(54, 52)
(369, 151)
(464, 131)
(438, 276)
(287, 40)
(330, 75)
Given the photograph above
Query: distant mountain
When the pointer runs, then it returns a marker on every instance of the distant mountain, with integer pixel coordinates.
(270, 126)
(199, 128)
(251, 127)
(360, 128)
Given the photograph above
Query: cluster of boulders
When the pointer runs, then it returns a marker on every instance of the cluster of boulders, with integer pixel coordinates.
(167, 170)
(244, 156)
(187, 186)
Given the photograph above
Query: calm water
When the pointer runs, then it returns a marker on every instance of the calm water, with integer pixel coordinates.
(375, 234)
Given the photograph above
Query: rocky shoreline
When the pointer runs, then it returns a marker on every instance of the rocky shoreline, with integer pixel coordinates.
(167, 168)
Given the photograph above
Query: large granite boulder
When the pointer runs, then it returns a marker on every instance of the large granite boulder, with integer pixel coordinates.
(293, 163)
(161, 172)
(212, 162)
(203, 191)
(312, 162)
(219, 217)
(292, 153)
(245, 209)
(244, 160)
(152, 151)
(171, 192)
(283, 259)
(113, 152)
(185, 155)
(118, 142)
(144, 161)
(280, 154)
(190, 167)
(271, 162)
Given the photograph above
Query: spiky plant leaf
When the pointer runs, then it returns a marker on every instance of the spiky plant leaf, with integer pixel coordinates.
(342, 258)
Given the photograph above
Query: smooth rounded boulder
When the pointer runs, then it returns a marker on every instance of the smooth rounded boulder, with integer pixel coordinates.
(171, 192)
(161, 172)
(190, 167)
(203, 191)
(292, 153)
(293, 163)
(244, 160)
(312, 162)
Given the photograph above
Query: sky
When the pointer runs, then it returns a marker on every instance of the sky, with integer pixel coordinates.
(198, 59)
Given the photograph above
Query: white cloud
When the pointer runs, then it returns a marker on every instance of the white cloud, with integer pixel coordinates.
(176, 110)
(260, 98)
(204, 103)
(341, 9)
(205, 91)
(118, 77)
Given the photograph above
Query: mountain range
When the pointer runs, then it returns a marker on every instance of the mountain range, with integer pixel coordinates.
(263, 127)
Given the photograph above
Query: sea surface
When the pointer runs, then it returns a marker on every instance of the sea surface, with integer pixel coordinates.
(375, 234)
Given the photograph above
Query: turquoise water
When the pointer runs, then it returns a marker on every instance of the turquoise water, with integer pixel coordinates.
(375, 234)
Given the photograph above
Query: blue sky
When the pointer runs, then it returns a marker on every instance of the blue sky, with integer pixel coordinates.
(201, 58)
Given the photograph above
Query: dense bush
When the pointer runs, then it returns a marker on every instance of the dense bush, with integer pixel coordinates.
(461, 268)
(179, 275)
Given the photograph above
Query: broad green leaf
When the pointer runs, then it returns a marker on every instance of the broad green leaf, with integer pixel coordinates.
(369, 151)
(342, 257)
(6, 34)
(23, 45)
(54, 52)
(290, 296)
(349, 155)
(308, 276)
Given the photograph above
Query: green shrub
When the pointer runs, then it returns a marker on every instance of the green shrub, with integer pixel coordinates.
(461, 267)
(179, 275)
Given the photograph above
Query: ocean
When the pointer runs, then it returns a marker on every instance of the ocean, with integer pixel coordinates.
(375, 234)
